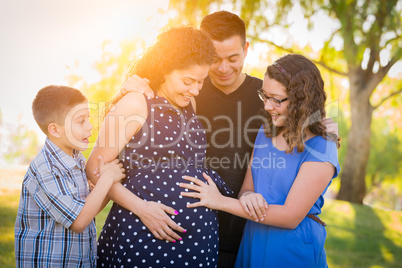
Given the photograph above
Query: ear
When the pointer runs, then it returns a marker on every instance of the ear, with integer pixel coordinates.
(246, 48)
(54, 130)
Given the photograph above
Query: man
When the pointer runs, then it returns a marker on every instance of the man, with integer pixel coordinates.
(228, 105)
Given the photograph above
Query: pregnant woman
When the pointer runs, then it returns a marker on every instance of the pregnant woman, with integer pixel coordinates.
(158, 141)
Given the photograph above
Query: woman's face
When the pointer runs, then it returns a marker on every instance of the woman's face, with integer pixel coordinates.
(181, 85)
(275, 91)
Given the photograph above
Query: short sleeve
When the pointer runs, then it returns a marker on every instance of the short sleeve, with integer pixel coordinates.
(322, 150)
(55, 194)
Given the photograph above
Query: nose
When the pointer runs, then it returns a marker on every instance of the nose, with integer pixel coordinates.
(195, 89)
(268, 106)
(223, 66)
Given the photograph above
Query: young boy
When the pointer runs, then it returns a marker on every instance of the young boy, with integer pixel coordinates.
(55, 224)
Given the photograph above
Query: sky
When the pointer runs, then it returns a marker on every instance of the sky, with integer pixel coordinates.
(40, 38)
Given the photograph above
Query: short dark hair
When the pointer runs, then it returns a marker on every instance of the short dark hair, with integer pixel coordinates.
(222, 25)
(52, 103)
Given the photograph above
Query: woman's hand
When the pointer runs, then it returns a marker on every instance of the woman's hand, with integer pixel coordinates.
(137, 84)
(154, 216)
(208, 193)
(254, 204)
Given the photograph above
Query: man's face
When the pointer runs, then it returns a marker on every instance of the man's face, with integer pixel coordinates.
(226, 70)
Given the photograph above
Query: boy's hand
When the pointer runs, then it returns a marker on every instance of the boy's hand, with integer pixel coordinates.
(137, 84)
(113, 170)
(254, 204)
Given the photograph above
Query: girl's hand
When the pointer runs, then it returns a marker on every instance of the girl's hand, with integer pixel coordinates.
(208, 193)
(137, 84)
(154, 216)
(254, 205)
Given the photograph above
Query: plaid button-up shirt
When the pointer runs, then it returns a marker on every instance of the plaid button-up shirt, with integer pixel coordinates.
(53, 193)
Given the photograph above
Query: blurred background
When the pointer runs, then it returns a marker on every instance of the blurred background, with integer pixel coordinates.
(357, 46)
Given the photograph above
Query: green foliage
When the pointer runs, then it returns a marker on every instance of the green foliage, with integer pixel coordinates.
(384, 172)
(23, 145)
(111, 68)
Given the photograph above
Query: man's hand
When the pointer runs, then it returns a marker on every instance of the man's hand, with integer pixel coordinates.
(137, 84)
(331, 126)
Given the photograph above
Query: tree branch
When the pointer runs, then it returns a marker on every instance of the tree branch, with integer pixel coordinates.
(387, 98)
(293, 52)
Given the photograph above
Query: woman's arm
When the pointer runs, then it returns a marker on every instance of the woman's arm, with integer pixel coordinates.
(110, 173)
(312, 179)
(119, 126)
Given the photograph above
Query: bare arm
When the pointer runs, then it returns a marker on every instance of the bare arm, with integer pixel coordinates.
(253, 203)
(111, 173)
(305, 190)
(119, 126)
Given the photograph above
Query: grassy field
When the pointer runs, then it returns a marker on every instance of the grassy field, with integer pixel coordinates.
(358, 236)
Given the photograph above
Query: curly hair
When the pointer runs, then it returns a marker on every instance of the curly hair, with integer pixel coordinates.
(175, 49)
(305, 89)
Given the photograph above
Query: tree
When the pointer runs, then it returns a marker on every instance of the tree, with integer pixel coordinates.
(371, 37)
(111, 68)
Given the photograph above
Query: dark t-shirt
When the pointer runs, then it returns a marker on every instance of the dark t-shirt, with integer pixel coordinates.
(231, 123)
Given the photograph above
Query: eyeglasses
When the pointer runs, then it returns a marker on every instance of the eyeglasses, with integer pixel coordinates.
(273, 101)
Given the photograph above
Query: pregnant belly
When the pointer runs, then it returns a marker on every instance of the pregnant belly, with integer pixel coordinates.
(162, 186)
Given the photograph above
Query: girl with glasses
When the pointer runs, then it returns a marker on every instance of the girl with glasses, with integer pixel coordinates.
(294, 161)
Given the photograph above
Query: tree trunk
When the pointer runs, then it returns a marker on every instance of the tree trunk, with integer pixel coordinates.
(353, 184)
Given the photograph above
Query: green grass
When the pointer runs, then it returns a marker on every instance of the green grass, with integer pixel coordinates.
(362, 236)
(358, 236)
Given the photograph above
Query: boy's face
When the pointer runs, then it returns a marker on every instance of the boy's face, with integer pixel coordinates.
(76, 129)
(226, 70)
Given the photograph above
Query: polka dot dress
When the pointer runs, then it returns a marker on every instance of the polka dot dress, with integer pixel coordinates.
(171, 143)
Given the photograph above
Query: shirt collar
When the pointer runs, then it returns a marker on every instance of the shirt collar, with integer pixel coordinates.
(62, 158)
(163, 105)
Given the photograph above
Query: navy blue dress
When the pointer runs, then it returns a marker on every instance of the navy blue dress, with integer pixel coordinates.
(171, 143)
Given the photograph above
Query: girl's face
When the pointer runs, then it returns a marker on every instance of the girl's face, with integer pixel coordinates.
(275, 94)
(181, 85)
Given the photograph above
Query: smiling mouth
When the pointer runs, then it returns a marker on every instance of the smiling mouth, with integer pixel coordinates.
(224, 77)
(85, 140)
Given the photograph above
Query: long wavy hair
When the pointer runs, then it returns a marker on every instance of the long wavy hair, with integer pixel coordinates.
(306, 109)
(175, 49)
